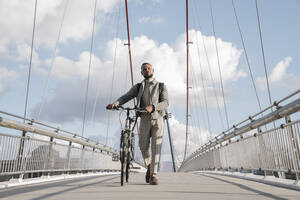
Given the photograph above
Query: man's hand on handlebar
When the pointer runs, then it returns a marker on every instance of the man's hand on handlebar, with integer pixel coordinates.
(111, 106)
(149, 109)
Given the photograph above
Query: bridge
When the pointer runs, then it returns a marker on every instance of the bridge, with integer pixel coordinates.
(242, 162)
(172, 186)
(257, 157)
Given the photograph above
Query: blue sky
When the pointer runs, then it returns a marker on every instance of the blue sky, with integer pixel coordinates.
(158, 36)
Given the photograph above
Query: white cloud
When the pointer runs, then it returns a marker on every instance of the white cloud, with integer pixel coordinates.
(23, 54)
(151, 19)
(16, 20)
(228, 55)
(169, 66)
(196, 138)
(67, 103)
(156, 2)
(142, 2)
(144, 19)
(280, 70)
(139, 2)
(65, 68)
(6, 77)
(280, 77)
(158, 20)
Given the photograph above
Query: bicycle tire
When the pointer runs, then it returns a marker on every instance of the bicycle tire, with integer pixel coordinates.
(129, 154)
(122, 159)
(127, 166)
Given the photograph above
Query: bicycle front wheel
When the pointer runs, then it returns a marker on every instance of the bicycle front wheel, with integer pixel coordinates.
(123, 159)
(127, 166)
(129, 158)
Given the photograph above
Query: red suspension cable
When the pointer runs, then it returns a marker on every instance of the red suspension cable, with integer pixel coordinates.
(129, 49)
(187, 78)
(128, 36)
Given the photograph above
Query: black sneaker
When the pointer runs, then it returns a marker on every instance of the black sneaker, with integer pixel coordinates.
(147, 177)
(153, 181)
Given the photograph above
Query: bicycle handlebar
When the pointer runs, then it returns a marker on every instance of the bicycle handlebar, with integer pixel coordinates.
(128, 109)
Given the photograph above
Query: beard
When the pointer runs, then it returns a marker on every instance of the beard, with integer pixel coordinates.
(148, 76)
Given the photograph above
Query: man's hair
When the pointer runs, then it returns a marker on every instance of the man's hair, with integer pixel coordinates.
(144, 64)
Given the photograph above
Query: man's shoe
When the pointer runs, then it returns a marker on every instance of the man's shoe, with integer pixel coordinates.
(153, 181)
(147, 177)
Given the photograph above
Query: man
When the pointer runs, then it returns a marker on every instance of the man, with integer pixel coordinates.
(153, 97)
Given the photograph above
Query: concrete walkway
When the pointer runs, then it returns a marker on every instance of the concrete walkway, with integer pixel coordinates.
(172, 186)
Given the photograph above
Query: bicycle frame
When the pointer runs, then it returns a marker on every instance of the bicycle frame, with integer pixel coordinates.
(127, 144)
(127, 136)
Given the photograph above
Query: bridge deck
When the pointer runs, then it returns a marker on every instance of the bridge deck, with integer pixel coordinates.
(172, 186)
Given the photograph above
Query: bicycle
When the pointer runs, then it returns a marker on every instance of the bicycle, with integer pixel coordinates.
(127, 142)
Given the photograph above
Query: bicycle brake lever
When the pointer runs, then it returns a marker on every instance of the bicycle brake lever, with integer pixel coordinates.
(118, 107)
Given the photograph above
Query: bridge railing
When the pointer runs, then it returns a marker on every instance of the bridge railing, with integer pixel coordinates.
(35, 149)
(248, 148)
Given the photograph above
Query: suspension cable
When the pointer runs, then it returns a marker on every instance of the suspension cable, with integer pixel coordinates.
(128, 43)
(203, 86)
(218, 59)
(199, 104)
(195, 102)
(192, 133)
(129, 52)
(98, 91)
(113, 72)
(52, 62)
(263, 53)
(187, 78)
(209, 68)
(30, 63)
(196, 82)
(246, 55)
(197, 98)
(90, 61)
(98, 88)
(127, 74)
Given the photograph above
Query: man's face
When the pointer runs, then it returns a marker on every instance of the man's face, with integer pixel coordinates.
(147, 71)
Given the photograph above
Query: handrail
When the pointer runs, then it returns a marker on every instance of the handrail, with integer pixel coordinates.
(56, 129)
(288, 109)
(276, 103)
(8, 123)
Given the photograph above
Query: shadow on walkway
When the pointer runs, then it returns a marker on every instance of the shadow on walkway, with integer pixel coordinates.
(27, 189)
(244, 187)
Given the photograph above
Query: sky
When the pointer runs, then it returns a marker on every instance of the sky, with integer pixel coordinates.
(62, 43)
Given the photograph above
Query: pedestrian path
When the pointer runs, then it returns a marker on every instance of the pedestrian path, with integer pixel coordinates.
(185, 186)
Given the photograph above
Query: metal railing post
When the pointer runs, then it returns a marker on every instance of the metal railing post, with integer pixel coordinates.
(293, 146)
(166, 117)
(67, 164)
(50, 158)
(262, 149)
(21, 155)
(93, 160)
(259, 138)
(82, 158)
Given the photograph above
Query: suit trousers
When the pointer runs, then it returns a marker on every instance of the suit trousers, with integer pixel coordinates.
(151, 128)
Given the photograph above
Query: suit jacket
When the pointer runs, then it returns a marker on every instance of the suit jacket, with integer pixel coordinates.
(159, 101)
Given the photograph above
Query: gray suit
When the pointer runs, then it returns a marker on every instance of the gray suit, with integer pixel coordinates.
(151, 125)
